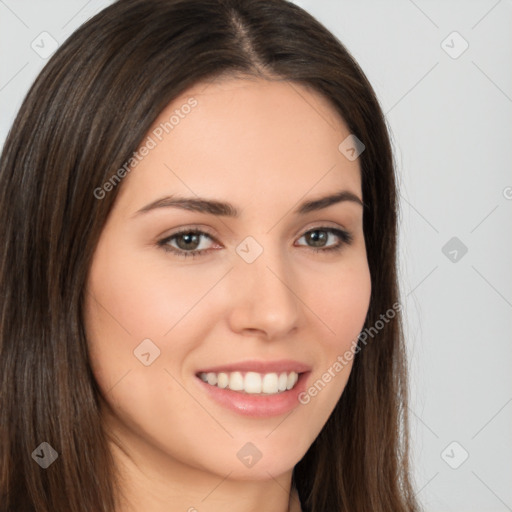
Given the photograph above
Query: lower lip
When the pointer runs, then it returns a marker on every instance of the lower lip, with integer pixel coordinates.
(257, 406)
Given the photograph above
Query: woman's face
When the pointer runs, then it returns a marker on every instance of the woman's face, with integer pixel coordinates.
(275, 286)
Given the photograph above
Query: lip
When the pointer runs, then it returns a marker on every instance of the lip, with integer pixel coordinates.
(283, 365)
(255, 405)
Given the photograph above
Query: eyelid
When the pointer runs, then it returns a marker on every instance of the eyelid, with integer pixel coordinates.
(322, 224)
(190, 228)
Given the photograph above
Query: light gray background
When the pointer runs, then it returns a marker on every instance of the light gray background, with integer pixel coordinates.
(451, 123)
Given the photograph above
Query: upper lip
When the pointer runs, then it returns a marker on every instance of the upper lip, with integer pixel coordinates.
(283, 365)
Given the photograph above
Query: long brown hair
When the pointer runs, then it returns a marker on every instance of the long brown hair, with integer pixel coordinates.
(85, 115)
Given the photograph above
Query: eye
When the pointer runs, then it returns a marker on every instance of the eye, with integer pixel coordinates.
(320, 236)
(187, 242)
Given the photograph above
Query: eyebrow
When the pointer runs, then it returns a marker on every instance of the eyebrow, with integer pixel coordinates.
(224, 209)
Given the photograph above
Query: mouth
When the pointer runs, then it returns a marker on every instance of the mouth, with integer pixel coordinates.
(255, 388)
(252, 382)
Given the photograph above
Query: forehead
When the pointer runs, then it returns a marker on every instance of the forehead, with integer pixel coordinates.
(254, 139)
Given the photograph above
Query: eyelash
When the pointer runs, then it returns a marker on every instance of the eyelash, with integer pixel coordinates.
(344, 236)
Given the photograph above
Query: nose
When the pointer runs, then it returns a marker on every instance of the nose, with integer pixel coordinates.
(265, 300)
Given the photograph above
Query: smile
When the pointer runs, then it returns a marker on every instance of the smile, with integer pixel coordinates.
(252, 382)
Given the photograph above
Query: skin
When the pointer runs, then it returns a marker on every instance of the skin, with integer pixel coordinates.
(263, 146)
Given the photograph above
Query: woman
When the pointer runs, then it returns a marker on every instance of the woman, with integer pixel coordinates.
(199, 299)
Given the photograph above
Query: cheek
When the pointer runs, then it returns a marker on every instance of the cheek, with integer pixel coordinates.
(341, 301)
(131, 301)
(133, 298)
(144, 298)
(126, 303)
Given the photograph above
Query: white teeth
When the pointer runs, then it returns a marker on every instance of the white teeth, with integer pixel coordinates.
(283, 379)
(222, 380)
(292, 379)
(252, 382)
(236, 381)
(269, 384)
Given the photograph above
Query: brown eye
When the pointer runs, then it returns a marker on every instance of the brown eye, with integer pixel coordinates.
(185, 243)
(187, 240)
(318, 238)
